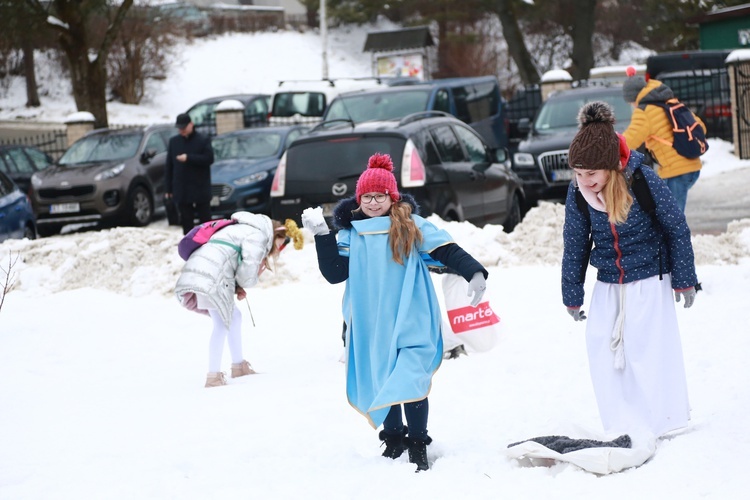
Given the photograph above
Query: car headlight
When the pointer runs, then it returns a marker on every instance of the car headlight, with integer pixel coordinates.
(110, 172)
(523, 160)
(251, 179)
(36, 181)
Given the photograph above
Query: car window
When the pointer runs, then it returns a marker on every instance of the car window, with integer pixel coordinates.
(460, 96)
(473, 144)
(259, 145)
(291, 137)
(481, 101)
(202, 113)
(442, 101)
(256, 111)
(102, 147)
(6, 186)
(447, 144)
(156, 141)
(6, 162)
(287, 104)
(378, 106)
(40, 160)
(423, 139)
(23, 164)
(557, 114)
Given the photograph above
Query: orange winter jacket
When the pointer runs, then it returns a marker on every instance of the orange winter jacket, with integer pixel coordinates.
(648, 121)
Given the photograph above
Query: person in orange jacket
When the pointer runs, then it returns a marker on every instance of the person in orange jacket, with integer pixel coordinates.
(650, 125)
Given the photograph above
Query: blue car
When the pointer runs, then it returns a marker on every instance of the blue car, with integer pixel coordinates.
(16, 215)
(245, 162)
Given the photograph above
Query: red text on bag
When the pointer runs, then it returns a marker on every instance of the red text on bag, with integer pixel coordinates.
(465, 319)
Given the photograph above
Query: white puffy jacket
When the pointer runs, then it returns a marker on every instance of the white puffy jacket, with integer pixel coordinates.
(214, 268)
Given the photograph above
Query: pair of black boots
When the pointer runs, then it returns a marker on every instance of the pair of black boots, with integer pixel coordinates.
(396, 444)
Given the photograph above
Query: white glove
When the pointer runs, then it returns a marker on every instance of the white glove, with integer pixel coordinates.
(313, 221)
(576, 313)
(688, 293)
(477, 286)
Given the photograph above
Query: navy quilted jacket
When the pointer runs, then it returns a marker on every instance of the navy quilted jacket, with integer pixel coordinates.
(629, 251)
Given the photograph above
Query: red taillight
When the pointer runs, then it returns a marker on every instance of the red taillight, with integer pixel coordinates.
(279, 178)
(412, 168)
(718, 111)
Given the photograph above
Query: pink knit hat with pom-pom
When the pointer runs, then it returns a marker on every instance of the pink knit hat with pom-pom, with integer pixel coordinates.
(378, 178)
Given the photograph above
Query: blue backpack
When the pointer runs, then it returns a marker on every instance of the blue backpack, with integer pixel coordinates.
(199, 235)
(689, 139)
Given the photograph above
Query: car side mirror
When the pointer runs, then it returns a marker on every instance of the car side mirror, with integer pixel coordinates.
(501, 155)
(524, 125)
(147, 155)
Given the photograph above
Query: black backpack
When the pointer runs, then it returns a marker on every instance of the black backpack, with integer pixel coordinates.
(688, 137)
(645, 200)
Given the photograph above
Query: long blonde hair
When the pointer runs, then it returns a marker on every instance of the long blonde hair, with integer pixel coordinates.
(617, 198)
(404, 233)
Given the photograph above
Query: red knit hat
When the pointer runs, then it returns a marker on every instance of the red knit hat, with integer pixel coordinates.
(378, 178)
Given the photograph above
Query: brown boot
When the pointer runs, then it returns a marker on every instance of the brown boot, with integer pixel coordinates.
(241, 369)
(215, 379)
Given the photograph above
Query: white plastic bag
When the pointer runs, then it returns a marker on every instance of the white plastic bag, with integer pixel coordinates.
(477, 328)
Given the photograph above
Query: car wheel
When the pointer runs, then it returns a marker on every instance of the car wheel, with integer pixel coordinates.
(45, 230)
(140, 208)
(28, 232)
(514, 215)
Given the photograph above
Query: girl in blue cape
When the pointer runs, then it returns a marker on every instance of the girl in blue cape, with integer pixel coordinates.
(394, 343)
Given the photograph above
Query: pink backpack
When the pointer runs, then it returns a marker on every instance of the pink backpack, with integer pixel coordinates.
(199, 235)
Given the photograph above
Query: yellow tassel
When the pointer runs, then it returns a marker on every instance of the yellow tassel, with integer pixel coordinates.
(292, 230)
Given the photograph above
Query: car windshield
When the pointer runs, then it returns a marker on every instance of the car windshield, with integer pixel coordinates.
(561, 113)
(378, 106)
(102, 147)
(260, 145)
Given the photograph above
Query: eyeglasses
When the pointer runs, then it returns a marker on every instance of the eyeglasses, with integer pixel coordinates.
(367, 198)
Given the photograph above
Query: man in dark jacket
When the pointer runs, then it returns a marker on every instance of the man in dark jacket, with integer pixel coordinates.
(188, 175)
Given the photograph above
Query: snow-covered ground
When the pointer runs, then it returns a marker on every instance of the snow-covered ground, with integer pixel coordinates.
(102, 371)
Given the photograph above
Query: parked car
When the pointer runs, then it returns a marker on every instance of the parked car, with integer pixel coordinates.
(203, 113)
(21, 162)
(473, 100)
(244, 164)
(437, 158)
(305, 101)
(107, 176)
(16, 214)
(542, 158)
(182, 15)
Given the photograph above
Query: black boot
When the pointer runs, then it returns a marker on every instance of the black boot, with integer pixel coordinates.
(394, 443)
(418, 452)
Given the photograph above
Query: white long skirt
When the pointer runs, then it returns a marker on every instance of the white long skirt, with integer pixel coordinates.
(648, 391)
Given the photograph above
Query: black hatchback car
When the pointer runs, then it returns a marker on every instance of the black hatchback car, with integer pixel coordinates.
(437, 158)
(542, 158)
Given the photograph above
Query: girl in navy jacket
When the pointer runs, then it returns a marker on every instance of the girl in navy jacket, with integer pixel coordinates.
(632, 336)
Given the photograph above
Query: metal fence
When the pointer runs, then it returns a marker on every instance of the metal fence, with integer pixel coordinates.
(54, 142)
(742, 107)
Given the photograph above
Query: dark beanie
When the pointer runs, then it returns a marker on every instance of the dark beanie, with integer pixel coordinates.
(633, 85)
(596, 145)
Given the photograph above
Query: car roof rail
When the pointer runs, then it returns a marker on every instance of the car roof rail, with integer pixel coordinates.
(330, 123)
(421, 115)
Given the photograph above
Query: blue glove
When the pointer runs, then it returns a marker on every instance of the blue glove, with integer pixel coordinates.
(577, 313)
(688, 293)
(477, 286)
(313, 221)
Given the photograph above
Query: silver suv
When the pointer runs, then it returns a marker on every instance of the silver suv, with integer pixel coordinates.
(108, 176)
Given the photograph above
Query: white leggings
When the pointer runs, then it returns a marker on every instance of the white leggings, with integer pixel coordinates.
(233, 335)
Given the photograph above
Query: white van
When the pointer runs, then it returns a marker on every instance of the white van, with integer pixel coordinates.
(305, 101)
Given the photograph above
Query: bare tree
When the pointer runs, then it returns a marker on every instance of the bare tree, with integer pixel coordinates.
(85, 51)
(506, 11)
(9, 278)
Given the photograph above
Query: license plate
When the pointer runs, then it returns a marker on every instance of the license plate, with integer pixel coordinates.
(215, 201)
(64, 208)
(328, 209)
(562, 175)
